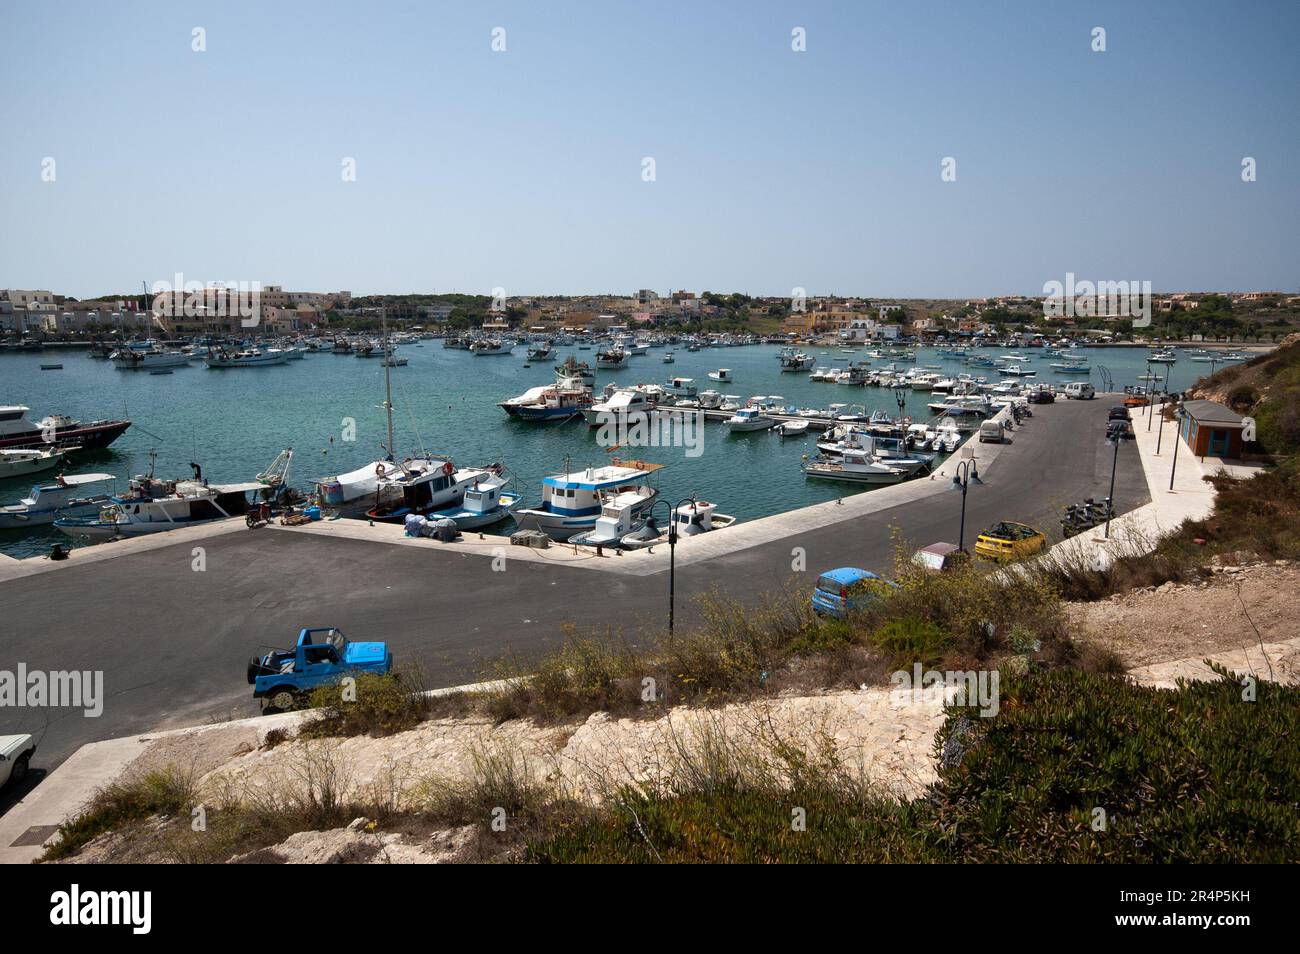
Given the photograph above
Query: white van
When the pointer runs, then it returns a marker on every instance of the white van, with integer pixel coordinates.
(1080, 390)
(991, 432)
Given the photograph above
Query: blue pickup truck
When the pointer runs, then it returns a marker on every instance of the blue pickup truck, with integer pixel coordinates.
(321, 657)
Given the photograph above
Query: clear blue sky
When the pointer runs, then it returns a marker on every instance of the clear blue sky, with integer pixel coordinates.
(775, 169)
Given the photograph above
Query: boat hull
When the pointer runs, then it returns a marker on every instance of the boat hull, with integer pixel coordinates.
(90, 437)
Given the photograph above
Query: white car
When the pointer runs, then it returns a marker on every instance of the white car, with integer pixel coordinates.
(15, 756)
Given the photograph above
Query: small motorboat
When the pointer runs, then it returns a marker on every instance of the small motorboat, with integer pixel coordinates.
(20, 463)
(484, 505)
(56, 499)
(792, 428)
(721, 374)
(668, 357)
(51, 367)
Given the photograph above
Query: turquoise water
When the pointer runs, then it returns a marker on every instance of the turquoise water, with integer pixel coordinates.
(234, 422)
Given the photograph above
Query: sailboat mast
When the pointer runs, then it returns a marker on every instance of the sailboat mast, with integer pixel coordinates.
(388, 385)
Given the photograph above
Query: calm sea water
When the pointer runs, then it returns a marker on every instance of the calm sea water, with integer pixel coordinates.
(234, 422)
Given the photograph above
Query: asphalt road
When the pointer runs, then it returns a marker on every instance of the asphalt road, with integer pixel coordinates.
(173, 643)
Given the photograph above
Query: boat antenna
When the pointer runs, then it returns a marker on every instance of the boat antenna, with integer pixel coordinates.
(388, 385)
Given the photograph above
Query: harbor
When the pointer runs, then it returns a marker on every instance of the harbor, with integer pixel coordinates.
(330, 408)
(255, 584)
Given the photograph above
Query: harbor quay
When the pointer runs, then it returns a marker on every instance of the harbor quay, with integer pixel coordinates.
(171, 620)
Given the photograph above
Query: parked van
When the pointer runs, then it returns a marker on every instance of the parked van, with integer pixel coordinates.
(1080, 390)
(991, 432)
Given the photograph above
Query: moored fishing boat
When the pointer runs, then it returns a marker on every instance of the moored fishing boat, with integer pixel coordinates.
(157, 506)
(611, 359)
(247, 358)
(57, 498)
(571, 502)
(421, 491)
(484, 504)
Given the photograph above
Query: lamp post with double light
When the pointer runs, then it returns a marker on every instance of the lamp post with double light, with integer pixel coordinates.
(672, 550)
(967, 474)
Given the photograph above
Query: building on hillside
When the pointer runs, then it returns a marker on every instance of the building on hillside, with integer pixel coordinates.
(1213, 430)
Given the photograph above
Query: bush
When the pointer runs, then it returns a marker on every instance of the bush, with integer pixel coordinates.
(1193, 774)
(384, 705)
(160, 792)
(911, 640)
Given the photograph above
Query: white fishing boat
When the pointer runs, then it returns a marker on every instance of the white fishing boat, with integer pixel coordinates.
(1162, 357)
(611, 359)
(134, 359)
(421, 491)
(681, 387)
(491, 347)
(484, 504)
(183, 503)
(668, 357)
(248, 358)
(623, 516)
(20, 463)
(62, 497)
(857, 467)
(721, 374)
(748, 419)
(554, 404)
(571, 502)
(352, 493)
(573, 370)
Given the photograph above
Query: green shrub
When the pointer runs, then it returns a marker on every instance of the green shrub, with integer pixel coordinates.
(161, 792)
(1194, 774)
(383, 705)
(911, 640)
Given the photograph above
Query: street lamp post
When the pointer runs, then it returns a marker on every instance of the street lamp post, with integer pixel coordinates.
(672, 551)
(1177, 427)
(967, 474)
(1151, 397)
(1114, 464)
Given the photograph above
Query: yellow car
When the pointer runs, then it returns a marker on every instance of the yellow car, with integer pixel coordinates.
(1008, 541)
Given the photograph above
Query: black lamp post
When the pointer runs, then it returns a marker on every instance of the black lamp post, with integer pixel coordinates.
(672, 551)
(1178, 420)
(1116, 435)
(1151, 397)
(967, 474)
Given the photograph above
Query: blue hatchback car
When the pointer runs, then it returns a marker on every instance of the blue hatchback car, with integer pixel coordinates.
(843, 590)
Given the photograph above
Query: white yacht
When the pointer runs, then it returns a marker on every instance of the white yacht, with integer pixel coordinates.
(855, 466)
(622, 405)
(20, 463)
(749, 419)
